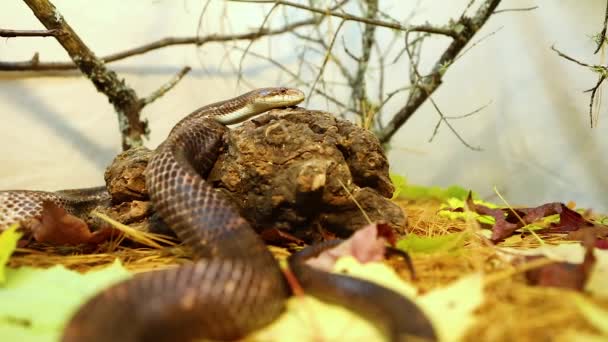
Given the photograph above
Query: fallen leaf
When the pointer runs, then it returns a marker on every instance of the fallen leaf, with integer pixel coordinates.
(561, 274)
(56, 226)
(598, 232)
(601, 244)
(452, 308)
(597, 281)
(36, 303)
(505, 221)
(365, 245)
(8, 243)
(404, 190)
(278, 236)
(413, 243)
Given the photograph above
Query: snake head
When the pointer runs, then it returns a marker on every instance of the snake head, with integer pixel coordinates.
(278, 97)
(253, 103)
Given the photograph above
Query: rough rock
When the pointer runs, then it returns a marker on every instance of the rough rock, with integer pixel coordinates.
(125, 178)
(305, 173)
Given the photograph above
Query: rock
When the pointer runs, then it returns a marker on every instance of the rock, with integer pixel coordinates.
(303, 172)
(125, 178)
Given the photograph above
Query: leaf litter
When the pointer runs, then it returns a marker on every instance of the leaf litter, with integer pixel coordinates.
(472, 283)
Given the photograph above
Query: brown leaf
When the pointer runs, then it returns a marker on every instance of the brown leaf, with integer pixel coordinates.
(364, 245)
(601, 244)
(56, 226)
(387, 232)
(563, 274)
(278, 236)
(508, 220)
(600, 232)
(502, 228)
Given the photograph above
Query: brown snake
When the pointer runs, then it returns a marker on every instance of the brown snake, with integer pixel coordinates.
(235, 285)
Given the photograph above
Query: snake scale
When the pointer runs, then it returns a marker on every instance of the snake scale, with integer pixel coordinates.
(234, 286)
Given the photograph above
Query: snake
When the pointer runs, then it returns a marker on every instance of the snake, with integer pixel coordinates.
(234, 285)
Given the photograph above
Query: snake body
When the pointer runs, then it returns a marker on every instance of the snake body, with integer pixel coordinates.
(234, 286)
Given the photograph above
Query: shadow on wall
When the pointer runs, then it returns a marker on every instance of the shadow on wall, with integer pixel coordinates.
(34, 106)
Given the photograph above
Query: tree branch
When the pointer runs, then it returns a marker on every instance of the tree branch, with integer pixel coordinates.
(29, 33)
(165, 88)
(35, 65)
(124, 99)
(427, 86)
(602, 37)
(349, 17)
(602, 72)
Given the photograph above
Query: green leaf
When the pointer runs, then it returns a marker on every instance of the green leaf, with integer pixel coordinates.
(454, 203)
(8, 243)
(310, 319)
(417, 192)
(36, 303)
(413, 243)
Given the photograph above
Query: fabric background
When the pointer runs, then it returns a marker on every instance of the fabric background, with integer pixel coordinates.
(58, 132)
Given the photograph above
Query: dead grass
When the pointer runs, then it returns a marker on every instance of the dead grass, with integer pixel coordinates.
(512, 309)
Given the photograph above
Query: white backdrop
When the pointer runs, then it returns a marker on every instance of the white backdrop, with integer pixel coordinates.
(58, 132)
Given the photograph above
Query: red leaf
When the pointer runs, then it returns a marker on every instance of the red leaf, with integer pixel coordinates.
(601, 244)
(277, 236)
(365, 245)
(507, 222)
(563, 274)
(58, 227)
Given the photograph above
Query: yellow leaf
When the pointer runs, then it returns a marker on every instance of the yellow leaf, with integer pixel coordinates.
(8, 243)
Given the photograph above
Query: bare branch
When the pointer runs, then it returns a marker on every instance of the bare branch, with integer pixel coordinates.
(603, 74)
(29, 33)
(602, 37)
(349, 17)
(523, 9)
(430, 83)
(159, 44)
(166, 87)
(122, 97)
(325, 60)
(571, 59)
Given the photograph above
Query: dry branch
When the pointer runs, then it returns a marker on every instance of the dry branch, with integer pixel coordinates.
(350, 17)
(602, 72)
(428, 84)
(460, 30)
(35, 65)
(29, 33)
(124, 99)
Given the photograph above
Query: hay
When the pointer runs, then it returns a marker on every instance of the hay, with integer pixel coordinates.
(512, 310)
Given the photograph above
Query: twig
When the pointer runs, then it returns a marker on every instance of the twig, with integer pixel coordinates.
(602, 38)
(325, 60)
(159, 44)
(359, 93)
(430, 83)
(165, 88)
(240, 71)
(603, 74)
(29, 33)
(522, 9)
(463, 116)
(349, 17)
(124, 99)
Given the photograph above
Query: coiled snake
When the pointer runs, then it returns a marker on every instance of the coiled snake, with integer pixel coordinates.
(235, 286)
